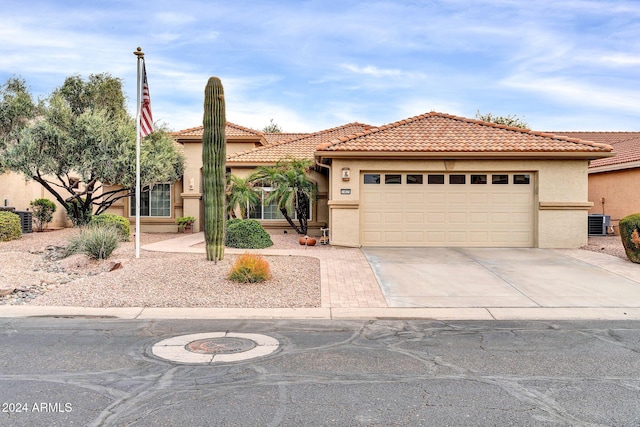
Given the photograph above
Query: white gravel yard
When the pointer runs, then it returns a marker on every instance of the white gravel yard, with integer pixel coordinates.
(155, 279)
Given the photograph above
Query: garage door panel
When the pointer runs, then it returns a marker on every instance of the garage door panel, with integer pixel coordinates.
(457, 198)
(414, 218)
(521, 217)
(436, 237)
(393, 218)
(371, 198)
(395, 197)
(393, 237)
(501, 217)
(447, 214)
(436, 217)
(414, 198)
(522, 198)
(478, 236)
(415, 237)
(436, 198)
(372, 237)
(520, 237)
(457, 217)
(478, 198)
(479, 217)
(456, 236)
(500, 199)
(374, 218)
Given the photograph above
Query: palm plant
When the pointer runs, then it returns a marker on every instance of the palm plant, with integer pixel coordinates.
(290, 187)
(241, 192)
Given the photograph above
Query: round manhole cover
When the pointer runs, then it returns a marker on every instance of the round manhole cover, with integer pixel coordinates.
(224, 345)
(215, 347)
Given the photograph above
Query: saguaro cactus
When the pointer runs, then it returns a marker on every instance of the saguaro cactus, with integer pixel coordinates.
(213, 168)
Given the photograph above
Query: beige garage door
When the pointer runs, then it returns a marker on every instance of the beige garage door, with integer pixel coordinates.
(447, 209)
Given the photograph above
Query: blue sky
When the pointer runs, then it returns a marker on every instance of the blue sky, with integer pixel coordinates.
(311, 65)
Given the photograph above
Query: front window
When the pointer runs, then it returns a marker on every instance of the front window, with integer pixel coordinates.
(263, 210)
(155, 202)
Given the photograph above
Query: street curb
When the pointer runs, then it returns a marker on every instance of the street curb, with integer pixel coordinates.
(435, 313)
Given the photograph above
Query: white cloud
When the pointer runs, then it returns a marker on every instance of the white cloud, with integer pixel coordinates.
(578, 94)
(372, 70)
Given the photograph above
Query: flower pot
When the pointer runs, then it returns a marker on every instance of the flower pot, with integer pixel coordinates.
(307, 241)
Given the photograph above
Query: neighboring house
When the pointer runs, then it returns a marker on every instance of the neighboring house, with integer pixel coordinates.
(440, 180)
(17, 192)
(614, 181)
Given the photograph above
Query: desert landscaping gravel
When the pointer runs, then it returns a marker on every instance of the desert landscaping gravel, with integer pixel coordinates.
(32, 272)
(154, 280)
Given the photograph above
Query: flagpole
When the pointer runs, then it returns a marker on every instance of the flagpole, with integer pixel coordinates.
(140, 55)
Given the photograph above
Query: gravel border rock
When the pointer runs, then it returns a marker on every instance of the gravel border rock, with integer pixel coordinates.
(32, 264)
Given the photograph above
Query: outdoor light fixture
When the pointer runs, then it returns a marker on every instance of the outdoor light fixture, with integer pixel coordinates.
(346, 174)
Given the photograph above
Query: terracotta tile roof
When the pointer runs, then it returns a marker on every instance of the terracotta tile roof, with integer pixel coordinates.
(626, 145)
(437, 132)
(301, 147)
(277, 137)
(232, 129)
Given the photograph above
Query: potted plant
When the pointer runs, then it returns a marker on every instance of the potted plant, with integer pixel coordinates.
(185, 224)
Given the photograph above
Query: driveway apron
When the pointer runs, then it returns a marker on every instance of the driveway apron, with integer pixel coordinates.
(496, 277)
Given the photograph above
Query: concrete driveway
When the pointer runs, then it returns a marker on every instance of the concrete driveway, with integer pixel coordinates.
(503, 277)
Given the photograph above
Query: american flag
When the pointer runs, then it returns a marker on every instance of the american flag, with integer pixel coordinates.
(146, 119)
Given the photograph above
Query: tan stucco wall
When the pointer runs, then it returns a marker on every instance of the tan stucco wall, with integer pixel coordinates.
(560, 184)
(620, 192)
(18, 193)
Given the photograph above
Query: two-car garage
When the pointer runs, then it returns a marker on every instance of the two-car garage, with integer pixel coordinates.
(447, 209)
(441, 180)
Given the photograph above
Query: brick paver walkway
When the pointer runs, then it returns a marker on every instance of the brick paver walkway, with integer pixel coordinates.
(346, 278)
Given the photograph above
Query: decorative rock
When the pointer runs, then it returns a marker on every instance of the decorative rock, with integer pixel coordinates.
(74, 261)
(113, 265)
(6, 289)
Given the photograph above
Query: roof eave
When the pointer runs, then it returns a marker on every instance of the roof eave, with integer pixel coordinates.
(615, 167)
(325, 154)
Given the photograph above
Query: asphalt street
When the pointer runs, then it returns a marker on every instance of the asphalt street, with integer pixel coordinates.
(104, 372)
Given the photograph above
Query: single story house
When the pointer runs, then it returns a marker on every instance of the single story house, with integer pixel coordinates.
(614, 181)
(430, 180)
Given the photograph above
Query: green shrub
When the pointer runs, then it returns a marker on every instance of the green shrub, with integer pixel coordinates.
(250, 268)
(43, 210)
(630, 235)
(120, 223)
(10, 228)
(246, 234)
(96, 242)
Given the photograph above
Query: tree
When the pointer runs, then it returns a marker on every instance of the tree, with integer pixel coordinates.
(272, 128)
(81, 140)
(241, 192)
(16, 109)
(511, 120)
(213, 168)
(291, 187)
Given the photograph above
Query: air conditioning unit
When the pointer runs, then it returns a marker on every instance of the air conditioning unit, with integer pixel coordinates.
(597, 224)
